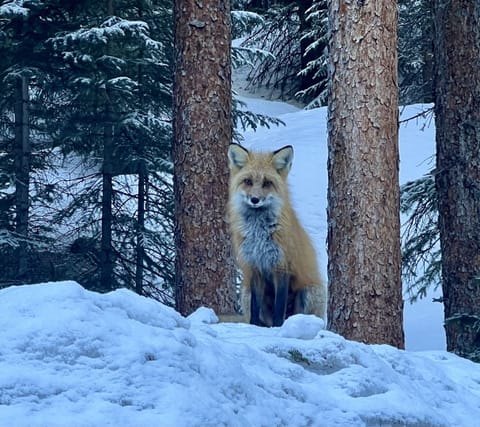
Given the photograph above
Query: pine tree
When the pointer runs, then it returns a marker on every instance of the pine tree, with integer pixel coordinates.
(202, 132)
(365, 293)
(80, 93)
(119, 78)
(457, 120)
(25, 78)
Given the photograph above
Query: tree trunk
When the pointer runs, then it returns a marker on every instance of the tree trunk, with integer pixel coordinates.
(365, 294)
(202, 130)
(106, 256)
(22, 173)
(140, 249)
(106, 250)
(457, 120)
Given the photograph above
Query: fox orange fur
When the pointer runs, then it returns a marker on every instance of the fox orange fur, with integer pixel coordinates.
(272, 249)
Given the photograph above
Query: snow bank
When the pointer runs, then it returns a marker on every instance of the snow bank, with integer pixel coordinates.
(70, 357)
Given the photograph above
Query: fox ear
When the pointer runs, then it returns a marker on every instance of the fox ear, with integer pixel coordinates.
(282, 159)
(237, 156)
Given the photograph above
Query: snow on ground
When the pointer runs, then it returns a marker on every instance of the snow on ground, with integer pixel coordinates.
(71, 357)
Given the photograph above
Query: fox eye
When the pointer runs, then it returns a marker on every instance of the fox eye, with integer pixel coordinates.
(267, 183)
(248, 182)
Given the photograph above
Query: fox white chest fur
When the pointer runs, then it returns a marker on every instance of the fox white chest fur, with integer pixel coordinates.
(258, 224)
(275, 255)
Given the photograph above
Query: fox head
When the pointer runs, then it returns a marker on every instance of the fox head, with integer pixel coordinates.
(258, 180)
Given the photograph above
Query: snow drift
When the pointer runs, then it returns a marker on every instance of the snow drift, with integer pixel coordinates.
(70, 357)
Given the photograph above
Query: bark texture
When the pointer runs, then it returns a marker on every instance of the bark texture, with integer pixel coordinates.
(457, 119)
(202, 130)
(365, 294)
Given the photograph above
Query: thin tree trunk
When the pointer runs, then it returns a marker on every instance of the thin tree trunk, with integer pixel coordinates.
(106, 257)
(204, 271)
(142, 182)
(457, 120)
(140, 250)
(106, 250)
(22, 173)
(365, 294)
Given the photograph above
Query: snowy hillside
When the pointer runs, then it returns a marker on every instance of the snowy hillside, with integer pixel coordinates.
(70, 357)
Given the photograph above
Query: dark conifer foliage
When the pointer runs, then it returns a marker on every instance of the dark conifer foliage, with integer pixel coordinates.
(415, 51)
(294, 35)
(421, 258)
(100, 94)
(25, 78)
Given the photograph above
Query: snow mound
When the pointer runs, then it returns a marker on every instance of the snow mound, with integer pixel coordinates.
(302, 326)
(78, 358)
(203, 315)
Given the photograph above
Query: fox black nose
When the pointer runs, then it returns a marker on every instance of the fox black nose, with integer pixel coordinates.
(254, 200)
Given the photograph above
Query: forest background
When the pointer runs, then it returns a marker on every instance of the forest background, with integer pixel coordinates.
(86, 189)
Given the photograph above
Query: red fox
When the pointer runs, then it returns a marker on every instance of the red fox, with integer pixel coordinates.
(273, 251)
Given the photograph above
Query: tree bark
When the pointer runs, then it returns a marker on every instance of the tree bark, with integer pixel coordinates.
(457, 120)
(106, 249)
(202, 130)
(22, 173)
(106, 254)
(140, 249)
(365, 294)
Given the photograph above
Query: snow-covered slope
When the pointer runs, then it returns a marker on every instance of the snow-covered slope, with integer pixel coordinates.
(307, 132)
(70, 357)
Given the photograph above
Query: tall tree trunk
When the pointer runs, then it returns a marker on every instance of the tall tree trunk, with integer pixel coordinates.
(140, 249)
(22, 172)
(204, 271)
(106, 254)
(365, 294)
(142, 184)
(106, 250)
(457, 120)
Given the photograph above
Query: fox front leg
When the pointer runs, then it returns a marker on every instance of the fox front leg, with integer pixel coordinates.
(300, 302)
(257, 289)
(281, 283)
